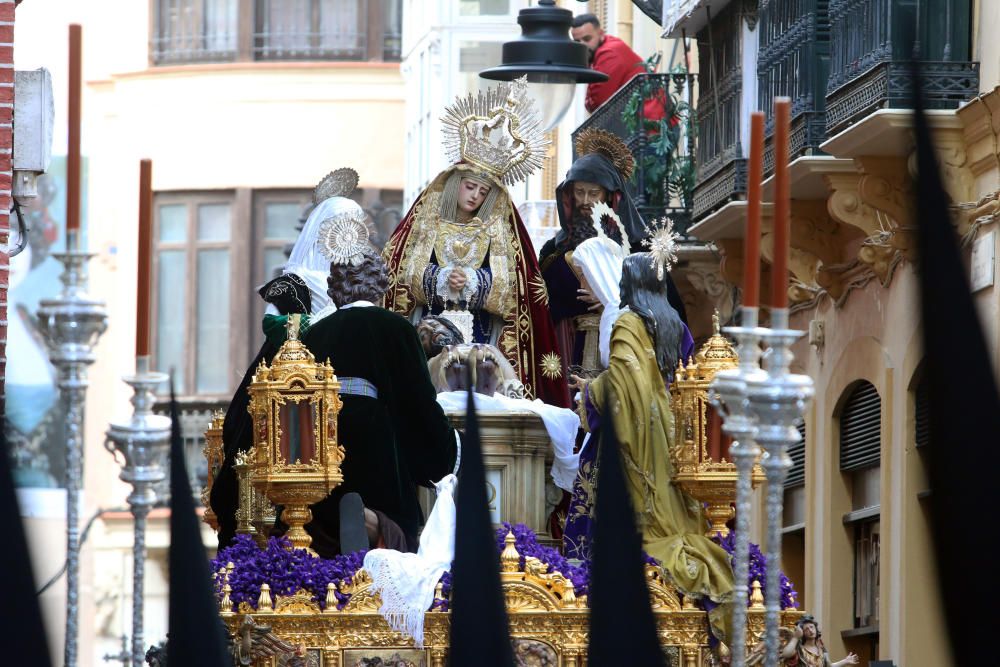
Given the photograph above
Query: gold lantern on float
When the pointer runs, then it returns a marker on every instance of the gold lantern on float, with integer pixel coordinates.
(700, 448)
(294, 405)
(213, 456)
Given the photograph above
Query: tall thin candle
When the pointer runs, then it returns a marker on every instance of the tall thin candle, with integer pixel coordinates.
(751, 244)
(73, 149)
(782, 203)
(145, 243)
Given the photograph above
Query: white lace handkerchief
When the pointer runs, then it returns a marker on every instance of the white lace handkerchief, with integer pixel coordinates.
(406, 582)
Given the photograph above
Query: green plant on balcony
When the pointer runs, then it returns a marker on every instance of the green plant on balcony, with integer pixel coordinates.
(660, 111)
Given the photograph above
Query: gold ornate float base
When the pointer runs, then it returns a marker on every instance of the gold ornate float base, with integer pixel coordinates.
(548, 624)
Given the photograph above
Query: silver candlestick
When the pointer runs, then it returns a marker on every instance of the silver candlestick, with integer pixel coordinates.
(728, 393)
(72, 323)
(778, 401)
(143, 441)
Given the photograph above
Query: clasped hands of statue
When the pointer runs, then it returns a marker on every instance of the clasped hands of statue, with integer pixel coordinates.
(491, 373)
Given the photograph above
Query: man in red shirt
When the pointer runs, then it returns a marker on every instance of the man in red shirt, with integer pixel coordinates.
(609, 55)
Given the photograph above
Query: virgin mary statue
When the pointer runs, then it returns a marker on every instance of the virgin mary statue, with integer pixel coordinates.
(462, 251)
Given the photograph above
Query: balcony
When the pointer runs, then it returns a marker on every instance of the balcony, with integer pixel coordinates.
(869, 56)
(203, 31)
(721, 173)
(793, 61)
(689, 16)
(663, 181)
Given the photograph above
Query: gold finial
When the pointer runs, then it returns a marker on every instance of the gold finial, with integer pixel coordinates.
(715, 323)
(439, 591)
(293, 326)
(331, 598)
(756, 596)
(226, 606)
(264, 603)
(509, 558)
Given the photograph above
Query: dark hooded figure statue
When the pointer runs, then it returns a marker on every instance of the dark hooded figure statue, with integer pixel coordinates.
(599, 175)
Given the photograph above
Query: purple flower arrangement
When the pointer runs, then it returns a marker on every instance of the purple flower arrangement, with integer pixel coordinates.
(284, 569)
(758, 571)
(288, 570)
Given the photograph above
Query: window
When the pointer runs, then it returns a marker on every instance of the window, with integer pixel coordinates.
(278, 217)
(213, 250)
(483, 7)
(474, 57)
(860, 461)
(189, 31)
(193, 278)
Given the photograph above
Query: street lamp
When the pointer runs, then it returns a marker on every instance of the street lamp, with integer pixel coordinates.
(552, 61)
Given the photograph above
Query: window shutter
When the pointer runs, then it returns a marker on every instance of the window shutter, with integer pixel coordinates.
(922, 414)
(797, 473)
(861, 428)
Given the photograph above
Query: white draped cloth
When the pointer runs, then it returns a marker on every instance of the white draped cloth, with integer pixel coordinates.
(308, 260)
(561, 425)
(601, 259)
(406, 582)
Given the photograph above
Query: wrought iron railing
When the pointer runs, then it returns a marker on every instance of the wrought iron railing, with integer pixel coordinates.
(652, 115)
(187, 31)
(793, 61)
(198, 31)
(871, 44)
(721, 163)
(195, 416)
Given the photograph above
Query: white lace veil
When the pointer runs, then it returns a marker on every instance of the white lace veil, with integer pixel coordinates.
(307, 260)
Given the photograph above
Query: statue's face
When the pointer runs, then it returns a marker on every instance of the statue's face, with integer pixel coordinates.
(433, 336)
(471, 195)
(586, 194)
(809, 630)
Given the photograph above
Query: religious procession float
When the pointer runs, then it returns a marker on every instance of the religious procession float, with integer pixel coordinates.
(325, 556)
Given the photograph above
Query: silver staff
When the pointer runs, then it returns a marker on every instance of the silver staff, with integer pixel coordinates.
(728, 393)
(143, 441)
(778, 401)
(72, 323)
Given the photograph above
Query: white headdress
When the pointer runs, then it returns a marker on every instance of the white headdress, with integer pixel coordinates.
(308, 259)
(498, 131)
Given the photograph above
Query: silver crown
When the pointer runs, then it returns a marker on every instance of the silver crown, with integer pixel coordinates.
(338, 183)
(498, 131)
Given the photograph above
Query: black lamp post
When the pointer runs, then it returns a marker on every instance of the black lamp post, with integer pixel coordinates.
(551, 60)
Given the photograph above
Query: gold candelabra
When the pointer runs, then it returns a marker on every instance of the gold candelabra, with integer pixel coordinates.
(698, 454)
(296, 459)
(214, 455)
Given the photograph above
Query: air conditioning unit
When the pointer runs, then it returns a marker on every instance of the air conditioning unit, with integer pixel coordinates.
(34, 113)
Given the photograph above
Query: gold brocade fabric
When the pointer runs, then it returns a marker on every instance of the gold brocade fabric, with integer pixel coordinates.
(471, 242)
(460, 244)
(672, 523)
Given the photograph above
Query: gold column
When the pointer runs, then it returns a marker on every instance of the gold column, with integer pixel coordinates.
(550, 169)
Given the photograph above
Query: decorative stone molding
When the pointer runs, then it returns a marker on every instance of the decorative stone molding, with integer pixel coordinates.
(846, 205)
